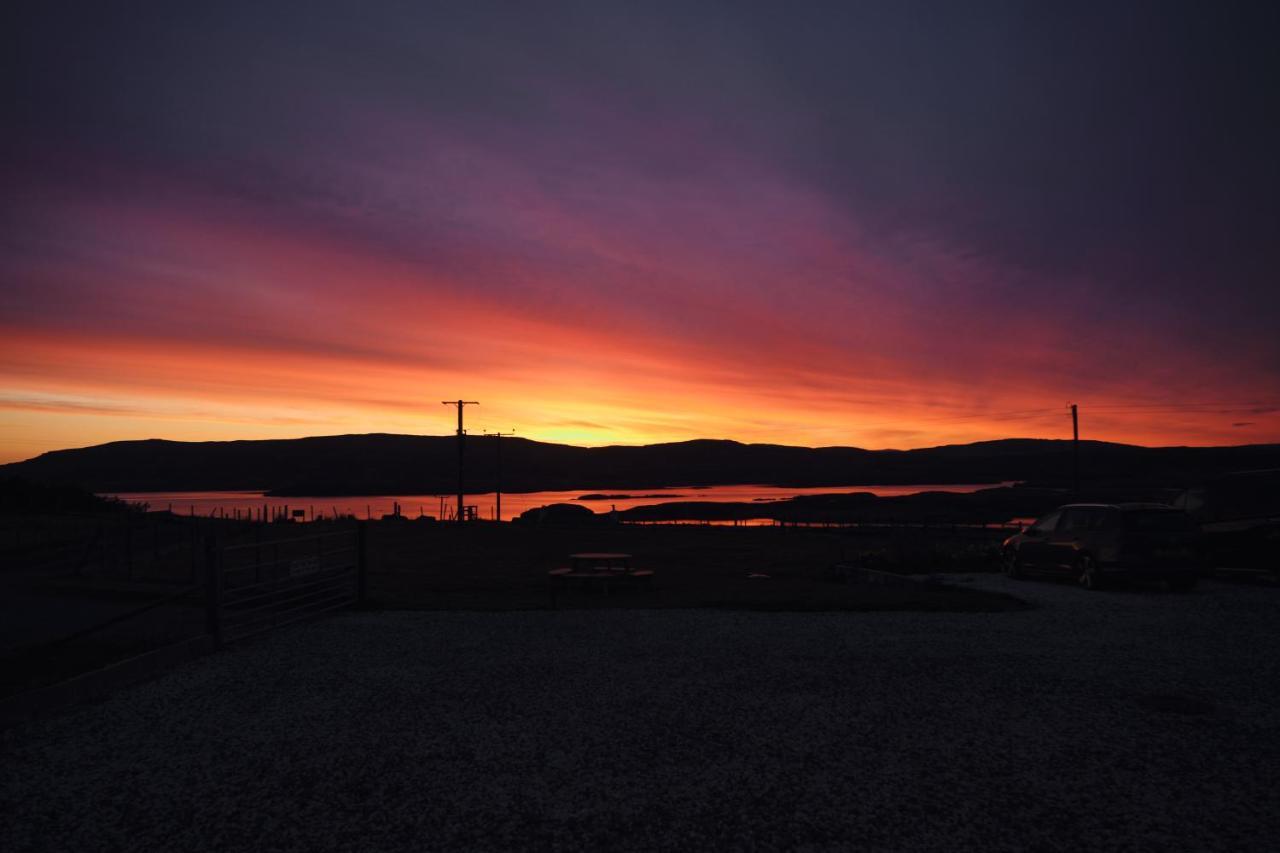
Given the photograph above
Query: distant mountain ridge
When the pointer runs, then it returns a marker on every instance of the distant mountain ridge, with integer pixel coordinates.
(380, 463)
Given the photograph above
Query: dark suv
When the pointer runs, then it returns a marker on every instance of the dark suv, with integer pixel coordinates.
(1095, 542)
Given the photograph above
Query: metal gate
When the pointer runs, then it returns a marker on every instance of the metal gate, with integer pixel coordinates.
(255, 586)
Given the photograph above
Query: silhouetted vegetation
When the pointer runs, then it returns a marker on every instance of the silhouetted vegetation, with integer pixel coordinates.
(21, 496)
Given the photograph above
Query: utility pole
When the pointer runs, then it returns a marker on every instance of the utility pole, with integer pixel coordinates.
(461, 439)
(1075, 444)
(498, 436)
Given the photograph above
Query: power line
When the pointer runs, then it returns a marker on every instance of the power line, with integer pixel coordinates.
(1111, 408)
(1255, 407)
(1187, 406)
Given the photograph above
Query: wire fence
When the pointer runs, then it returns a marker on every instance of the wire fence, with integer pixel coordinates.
(263, 584)
(129, 587)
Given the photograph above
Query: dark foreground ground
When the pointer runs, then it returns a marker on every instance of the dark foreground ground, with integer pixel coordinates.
(1118, 720)
(68, 584)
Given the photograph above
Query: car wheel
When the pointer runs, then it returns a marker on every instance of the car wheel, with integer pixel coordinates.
(1011, 567)
(1087, 572)
(1181, 584)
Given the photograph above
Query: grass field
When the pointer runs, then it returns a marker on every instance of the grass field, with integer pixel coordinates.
(504, 567)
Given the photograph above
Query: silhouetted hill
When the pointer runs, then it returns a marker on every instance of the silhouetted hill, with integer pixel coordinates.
(404, 464)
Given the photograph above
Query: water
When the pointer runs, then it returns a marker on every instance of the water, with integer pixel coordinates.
(513, 503)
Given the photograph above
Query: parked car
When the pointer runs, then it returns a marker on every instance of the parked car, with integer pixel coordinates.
(1239, 515)
(1094, 543)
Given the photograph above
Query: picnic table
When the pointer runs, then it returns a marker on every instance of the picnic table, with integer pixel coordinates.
(602, 567)
(600, 561)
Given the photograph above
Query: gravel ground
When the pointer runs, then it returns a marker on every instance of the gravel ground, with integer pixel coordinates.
(1114, 720)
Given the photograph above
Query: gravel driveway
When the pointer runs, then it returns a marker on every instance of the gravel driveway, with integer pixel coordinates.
(1114, 720)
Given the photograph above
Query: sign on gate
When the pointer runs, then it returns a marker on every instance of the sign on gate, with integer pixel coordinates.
(258, 585)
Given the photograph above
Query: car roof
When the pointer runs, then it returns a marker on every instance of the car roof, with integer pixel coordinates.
(1133, 506)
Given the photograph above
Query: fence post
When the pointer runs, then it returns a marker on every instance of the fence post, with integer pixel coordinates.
(212, 591)
(128, 545)
(362, 561)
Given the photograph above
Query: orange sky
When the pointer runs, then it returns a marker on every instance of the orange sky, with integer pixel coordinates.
(208, 325)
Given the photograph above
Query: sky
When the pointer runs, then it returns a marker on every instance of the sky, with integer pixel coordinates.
(888, 224)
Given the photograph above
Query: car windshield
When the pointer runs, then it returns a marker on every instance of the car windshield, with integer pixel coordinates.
(1046, 524)
(1156, 519)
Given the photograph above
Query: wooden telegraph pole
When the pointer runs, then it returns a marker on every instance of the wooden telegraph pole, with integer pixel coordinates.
(498, 492)
(461, 439)
(1075, 445)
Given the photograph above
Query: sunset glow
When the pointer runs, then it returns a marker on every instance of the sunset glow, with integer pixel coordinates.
(312, 242)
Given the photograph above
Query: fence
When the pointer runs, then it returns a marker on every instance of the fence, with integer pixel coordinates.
(152, 548)
(256, 586)
(66, 643)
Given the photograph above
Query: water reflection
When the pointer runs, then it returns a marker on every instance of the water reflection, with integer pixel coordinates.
(251, 504)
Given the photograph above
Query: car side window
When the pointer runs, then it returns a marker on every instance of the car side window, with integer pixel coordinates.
(1046, 525)
(1074, 522)
(1104, 519)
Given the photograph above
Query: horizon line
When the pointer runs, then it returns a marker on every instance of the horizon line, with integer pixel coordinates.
(651, 444)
